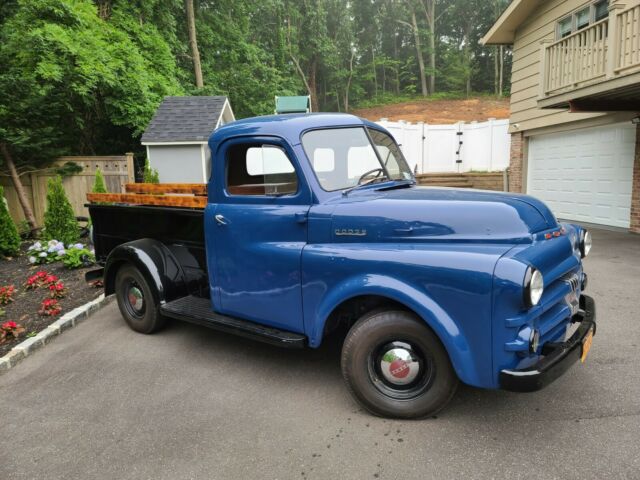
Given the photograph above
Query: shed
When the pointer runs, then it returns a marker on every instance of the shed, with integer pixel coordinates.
(176, 138)
(294, 104)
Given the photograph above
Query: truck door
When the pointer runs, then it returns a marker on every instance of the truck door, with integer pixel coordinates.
(259, 225)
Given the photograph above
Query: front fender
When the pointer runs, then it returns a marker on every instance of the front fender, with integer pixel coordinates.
(414, 299)
(156, 263)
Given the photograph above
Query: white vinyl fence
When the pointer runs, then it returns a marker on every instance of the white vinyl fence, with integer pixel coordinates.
(459, 147)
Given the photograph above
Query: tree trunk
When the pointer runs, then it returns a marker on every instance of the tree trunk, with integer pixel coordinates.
(496, 73)
(17, 183)
(416, 36)
(312, 86)
(193, 42)
(501, 81)
(431, 20)
(348, 87)
(375, 73)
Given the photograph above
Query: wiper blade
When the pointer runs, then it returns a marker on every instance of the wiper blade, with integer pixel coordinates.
(399, 184)
(347, 191)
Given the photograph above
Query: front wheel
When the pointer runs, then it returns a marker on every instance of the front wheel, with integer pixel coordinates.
(395, 366)
(136, 301)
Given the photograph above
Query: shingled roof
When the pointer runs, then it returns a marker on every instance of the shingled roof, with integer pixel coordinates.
(184, 119)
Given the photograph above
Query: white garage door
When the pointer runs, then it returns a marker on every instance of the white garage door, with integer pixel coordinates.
(584, 175)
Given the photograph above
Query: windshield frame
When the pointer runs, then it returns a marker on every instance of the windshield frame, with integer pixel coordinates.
(386, 178)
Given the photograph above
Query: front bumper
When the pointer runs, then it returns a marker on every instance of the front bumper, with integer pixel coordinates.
(557, 357)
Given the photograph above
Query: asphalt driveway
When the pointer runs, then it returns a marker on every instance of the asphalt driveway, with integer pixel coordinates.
(104, 402)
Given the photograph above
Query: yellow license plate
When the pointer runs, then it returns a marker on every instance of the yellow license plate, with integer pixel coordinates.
(586, 345)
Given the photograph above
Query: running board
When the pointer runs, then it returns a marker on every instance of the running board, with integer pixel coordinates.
(198, 310)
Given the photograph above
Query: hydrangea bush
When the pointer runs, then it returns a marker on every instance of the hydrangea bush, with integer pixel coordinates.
(73, 255)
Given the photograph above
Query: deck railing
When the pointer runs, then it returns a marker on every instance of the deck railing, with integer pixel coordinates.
(628, 38)
(604, 50)
(577, 58)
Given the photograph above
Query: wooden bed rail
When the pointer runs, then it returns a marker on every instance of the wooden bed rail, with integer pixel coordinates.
(190, 195)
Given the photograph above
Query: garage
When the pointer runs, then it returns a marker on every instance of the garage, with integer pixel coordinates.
(584, 175)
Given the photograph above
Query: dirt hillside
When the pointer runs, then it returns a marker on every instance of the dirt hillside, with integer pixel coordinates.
(440, 111)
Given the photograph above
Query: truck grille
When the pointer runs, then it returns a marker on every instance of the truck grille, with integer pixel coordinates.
(553, 313)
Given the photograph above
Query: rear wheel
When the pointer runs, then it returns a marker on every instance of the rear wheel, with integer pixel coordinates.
(137, 301)
(395, 366)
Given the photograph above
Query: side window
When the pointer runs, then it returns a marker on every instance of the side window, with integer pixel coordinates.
(255, 169)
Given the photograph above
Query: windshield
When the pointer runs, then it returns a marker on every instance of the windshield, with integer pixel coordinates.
(345, 157)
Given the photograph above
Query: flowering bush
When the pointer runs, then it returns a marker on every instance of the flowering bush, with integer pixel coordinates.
(48, 252)
(77, 256)
(10, 329)
(57, 290)
(50, 307)
(6, 294)
(40, 279)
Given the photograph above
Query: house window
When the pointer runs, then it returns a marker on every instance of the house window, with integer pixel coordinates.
(601, 10)
(260, 170)
(582, 18)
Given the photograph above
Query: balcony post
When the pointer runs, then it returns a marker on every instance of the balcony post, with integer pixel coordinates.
(613, 38)
(544, 68)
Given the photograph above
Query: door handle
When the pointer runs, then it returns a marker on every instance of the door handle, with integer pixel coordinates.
(221, 220)
(301, 217)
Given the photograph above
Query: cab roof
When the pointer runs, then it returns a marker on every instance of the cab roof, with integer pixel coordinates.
(288, 127)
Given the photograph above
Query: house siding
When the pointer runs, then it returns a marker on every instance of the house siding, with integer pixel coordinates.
(526, 71)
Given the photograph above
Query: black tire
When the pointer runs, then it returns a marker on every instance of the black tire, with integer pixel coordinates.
(373, 364)
(143, 314)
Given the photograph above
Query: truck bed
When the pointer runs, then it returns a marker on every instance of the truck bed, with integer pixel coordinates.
(115, 224)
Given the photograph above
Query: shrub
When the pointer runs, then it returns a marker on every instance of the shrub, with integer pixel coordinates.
(59, 219)
(47, 252)
(98, 185)
(50, 307)
(6, 294)
(40, 279)
(8, 330)
(76, 257)
(57, 290)
(9, 238)
(150, 175)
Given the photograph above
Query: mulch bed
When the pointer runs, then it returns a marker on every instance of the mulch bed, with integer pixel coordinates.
(26, 303)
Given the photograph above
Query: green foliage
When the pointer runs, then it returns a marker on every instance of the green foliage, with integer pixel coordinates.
(150, 175)
(75, 83)
(9, 238)
(59, 220)
(98, 185)
(78, 257)
(68, 169)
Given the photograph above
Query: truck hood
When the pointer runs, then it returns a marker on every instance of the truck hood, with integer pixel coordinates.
(414, 213)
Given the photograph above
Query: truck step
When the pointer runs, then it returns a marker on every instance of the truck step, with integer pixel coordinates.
(198, 310)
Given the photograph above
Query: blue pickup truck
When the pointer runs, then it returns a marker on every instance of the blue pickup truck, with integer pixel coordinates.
(314, 224)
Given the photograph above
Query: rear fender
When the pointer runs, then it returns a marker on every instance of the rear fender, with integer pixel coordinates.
(155, 261)
(412, 298)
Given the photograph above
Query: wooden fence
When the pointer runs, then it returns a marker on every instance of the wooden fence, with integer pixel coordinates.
(117, 171)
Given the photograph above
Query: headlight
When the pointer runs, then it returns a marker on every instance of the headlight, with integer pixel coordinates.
(585, 243)
(533, 286)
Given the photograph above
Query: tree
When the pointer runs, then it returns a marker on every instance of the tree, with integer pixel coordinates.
(150, 175)
(9, 237)
(73, 82)
(193, 43)
(98, 184)
(59, 220)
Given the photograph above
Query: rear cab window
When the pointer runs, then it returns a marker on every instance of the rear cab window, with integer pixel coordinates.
(259, 170)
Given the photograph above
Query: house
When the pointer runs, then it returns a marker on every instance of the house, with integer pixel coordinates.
(176, 138)
(575, 101)
(296, 104)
